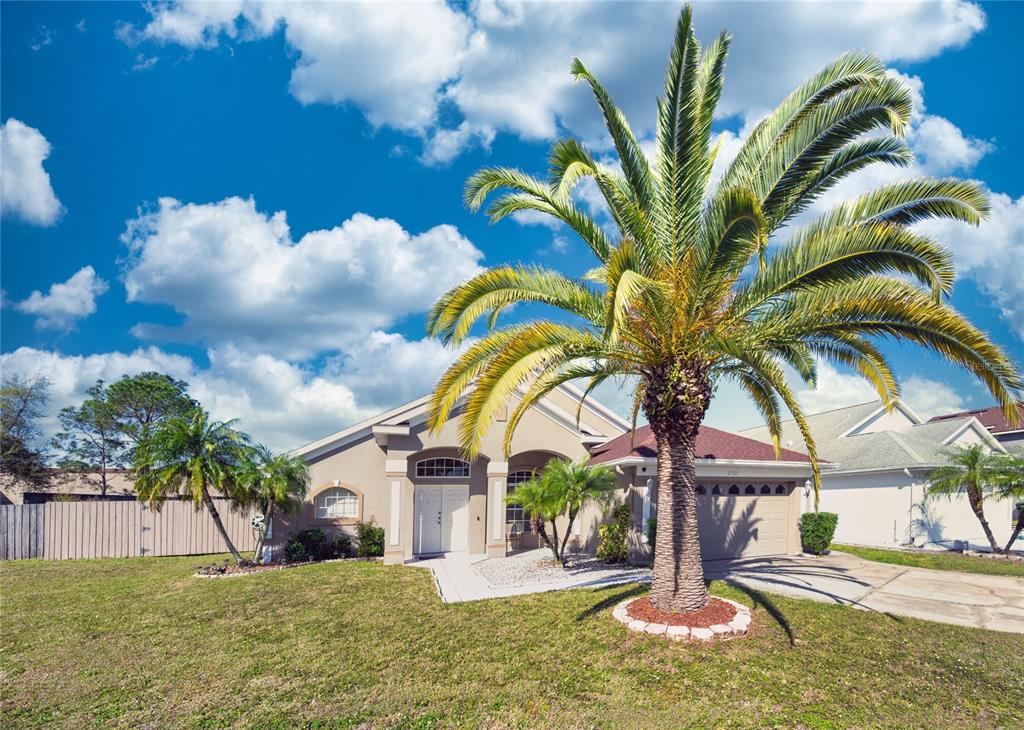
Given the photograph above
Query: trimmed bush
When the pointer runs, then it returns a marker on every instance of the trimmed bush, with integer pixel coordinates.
(342, 546)
(817, 530)
(613, 547)
(371, 540)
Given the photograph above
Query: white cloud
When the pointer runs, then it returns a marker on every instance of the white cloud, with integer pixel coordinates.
(280, 404)
(25, 188)
(66, 301)
(504, 64)
(235, 275)
(929, 398)
(444, 145)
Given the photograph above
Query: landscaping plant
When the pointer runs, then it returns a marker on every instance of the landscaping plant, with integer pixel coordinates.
(271, 483)
(560, 491)
(817, 530)
(194, 457)
(370, 537)
(981, 474)
(684, 290)
(612, 546)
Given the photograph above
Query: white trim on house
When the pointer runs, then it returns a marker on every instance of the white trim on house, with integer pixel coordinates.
(897, 405)
(979, 428)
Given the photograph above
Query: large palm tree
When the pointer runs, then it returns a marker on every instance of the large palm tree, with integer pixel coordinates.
(271, 483)
(685, 290)
(192, 456)
(980, 473)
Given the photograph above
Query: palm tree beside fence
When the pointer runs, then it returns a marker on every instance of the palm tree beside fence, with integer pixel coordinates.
(271, 483)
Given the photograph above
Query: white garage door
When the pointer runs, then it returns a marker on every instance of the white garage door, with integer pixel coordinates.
(744, 520)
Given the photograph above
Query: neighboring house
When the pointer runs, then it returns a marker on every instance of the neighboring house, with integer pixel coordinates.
(881, 460)
(416, 485)
(67, 486)
(1011, 436)
(748, 501)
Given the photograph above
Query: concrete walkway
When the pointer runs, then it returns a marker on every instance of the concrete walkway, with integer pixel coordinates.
(966, 599)
(457, 581)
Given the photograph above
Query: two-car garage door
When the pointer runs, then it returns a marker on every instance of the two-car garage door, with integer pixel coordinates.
(750, 521)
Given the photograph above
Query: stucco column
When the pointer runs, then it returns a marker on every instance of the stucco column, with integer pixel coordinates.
(497, 480)
(398, 527)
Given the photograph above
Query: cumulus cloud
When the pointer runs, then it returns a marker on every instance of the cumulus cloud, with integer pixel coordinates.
(235, 274)
(281, 404)
(503, 64)
(25, 190)
(66, 302)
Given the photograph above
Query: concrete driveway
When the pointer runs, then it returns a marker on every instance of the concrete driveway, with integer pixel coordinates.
(983, 601)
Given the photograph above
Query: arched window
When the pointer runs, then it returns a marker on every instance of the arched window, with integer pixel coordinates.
(781, 489)
(765, 489)
(335, 503)
(700, 490)
(518, 520)
(734, 489)
(443, 466)
(750, 489)
(716, 490)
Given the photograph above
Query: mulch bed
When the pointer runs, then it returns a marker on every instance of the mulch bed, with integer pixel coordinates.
(716, 612)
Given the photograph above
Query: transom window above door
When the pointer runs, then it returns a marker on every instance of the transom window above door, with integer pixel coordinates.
(335, 503)
(442, 466)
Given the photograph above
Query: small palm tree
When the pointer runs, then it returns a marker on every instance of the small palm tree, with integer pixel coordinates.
(271, 483)
(979, 473)
(194, 457)
(562, 489)
(685, 291)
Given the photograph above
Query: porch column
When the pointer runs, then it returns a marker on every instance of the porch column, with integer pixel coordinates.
(398, 528)
(497, 477)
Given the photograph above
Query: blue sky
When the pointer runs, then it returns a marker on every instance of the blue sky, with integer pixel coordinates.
(269, 199)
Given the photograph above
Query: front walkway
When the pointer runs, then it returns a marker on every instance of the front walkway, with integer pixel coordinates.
(965, 599)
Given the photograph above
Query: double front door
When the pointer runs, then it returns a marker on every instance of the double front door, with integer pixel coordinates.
(442, 518)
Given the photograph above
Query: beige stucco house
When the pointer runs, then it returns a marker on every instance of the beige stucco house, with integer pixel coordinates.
(391, 470)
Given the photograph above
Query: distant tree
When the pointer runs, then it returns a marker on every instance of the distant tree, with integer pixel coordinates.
(980, 474)
(1012, 487)
(562, 489)
(194, 457)
(90, 441)
(271, 483)
(139, 402)
(22, 404)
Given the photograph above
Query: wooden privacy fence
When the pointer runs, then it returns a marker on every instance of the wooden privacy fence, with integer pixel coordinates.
(117, 529)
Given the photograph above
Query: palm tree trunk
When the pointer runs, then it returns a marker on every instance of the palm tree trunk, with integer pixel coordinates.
(977, 504)
(676, 396)
(212, 508)
(1016, 530)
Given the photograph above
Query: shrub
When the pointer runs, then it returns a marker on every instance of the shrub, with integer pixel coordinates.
(613, 547)
(371, 539)
(307, 545)
(342, 546)
(817, 530)
(295, 551)
(652, 531)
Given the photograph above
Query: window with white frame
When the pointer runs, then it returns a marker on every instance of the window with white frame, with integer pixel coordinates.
(335, 503)
(443, 466)
(518, 519)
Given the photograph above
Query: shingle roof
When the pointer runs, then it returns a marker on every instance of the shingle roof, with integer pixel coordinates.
(918, 446)
(991, 418)
(711, 444)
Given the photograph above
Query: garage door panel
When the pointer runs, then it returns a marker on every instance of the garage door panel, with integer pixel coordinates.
(734, 526)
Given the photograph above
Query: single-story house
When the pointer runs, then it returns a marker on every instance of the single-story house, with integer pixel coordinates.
(68, 486)
(880, 462)
(429, 500)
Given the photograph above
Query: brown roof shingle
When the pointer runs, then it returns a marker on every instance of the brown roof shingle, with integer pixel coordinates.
(991, 418)
(712, 443)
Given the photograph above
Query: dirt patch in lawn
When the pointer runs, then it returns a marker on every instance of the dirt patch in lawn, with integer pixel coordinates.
(716, 612)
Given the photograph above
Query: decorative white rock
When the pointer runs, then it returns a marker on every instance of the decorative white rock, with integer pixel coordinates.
(738, 626)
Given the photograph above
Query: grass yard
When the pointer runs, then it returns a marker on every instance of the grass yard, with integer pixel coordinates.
(936, 560)
(138, 642)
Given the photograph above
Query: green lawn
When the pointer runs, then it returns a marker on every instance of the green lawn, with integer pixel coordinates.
(936, 560)
(138, 642)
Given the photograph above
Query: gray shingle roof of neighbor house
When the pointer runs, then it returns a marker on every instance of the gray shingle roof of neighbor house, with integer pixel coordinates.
(711, 444)
(991, 418)
(921, 445)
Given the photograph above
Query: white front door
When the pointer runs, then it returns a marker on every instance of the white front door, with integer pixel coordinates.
(442, 519)
(428, 519)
